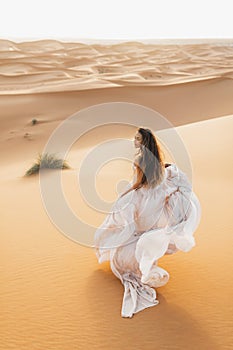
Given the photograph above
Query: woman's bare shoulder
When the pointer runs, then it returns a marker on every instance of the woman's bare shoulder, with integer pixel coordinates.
(137, 158)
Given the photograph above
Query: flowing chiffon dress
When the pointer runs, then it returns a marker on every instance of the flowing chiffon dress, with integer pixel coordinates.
(142, 226)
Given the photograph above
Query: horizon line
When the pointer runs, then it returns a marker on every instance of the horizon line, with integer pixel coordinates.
(99, 40)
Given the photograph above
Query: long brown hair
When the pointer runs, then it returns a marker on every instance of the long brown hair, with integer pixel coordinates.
(149, 161)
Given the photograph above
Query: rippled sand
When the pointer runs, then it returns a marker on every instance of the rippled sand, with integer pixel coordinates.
(54, 295)
(50, 65)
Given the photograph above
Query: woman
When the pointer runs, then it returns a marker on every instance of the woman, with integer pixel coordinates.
(156, 215)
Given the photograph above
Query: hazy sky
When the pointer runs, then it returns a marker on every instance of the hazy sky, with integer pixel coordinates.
(119, 19)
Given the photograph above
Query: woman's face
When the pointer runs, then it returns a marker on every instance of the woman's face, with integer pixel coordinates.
(137, 139)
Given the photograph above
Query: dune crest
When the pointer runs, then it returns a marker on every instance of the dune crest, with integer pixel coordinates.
(51, 65)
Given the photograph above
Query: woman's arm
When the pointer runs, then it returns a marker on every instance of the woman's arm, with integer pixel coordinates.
(137, 180)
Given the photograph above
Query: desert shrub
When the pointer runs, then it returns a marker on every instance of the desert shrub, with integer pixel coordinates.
(47, 161)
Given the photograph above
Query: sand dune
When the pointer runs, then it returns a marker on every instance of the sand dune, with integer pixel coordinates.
(57, 296)
(54, 295)
(50, 65)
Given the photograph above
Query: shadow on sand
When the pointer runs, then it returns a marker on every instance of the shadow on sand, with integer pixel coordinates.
(164, 326)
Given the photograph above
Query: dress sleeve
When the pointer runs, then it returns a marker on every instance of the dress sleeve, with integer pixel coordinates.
(183, 212)
(117, 228)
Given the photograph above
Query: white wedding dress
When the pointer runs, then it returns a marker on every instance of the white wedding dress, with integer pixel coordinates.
(140, 229)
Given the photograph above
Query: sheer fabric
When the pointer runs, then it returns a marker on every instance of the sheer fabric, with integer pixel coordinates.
(143, 226)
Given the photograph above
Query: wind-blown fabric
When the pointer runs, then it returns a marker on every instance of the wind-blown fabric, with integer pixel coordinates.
(143, 226)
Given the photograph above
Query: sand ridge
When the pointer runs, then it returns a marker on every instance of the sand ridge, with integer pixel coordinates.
(54, 295)
(50, 65)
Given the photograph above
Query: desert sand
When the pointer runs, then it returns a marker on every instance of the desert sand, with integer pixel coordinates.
(54, 295)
